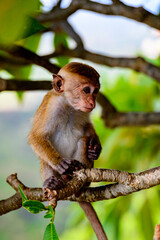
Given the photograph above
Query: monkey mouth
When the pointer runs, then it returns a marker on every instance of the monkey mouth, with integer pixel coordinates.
(87, 109)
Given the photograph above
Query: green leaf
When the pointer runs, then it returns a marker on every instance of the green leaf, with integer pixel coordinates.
(61, 39)
(34, 206)
(24, 198)
(31, 27)
(50, 232)
(20, 95)
(13, 15)
(50, 213)
(23, 72)
(62, 61)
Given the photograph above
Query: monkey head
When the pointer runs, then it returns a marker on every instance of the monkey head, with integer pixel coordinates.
(79, 84)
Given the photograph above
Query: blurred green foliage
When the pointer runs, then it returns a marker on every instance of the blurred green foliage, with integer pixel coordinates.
(13, 18)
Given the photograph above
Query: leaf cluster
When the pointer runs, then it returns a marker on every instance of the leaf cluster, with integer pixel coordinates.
(35, 207)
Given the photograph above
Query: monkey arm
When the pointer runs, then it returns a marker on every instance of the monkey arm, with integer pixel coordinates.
(93, 148)
(44, 149)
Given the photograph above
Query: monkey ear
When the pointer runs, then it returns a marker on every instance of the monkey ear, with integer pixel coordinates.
(58, 83)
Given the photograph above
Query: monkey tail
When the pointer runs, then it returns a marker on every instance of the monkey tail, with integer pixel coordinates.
(94, 220)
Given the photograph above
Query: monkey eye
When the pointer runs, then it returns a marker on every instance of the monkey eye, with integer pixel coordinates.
(86, 90)
(96, 90)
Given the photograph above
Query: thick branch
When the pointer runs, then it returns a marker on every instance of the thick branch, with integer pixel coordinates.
(107, 106)
(130, 119)
(72, 33)
(120, 9)
(23, 85)
(58, 14)
(6, 60)
(138, 64)
(111, 117)
(126, 183)
(117, 9)
(30, 57)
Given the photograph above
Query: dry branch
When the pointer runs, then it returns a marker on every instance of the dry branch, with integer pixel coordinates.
(126, 183)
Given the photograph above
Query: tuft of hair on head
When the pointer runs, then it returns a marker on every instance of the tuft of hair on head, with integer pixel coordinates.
(83, 70)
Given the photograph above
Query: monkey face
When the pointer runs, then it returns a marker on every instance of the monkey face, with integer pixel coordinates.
(79, 84)
(88, 97)
(83, 96)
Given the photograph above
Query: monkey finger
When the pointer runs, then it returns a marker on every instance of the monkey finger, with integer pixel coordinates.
(66, 160)
(92, 157)
(92, 154)
(63, 166)
(91, 150)
(91, 142)
(54, 183)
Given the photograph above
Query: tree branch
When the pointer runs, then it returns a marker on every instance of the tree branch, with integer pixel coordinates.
(126, 183)
(30, 57)
(111, 117)
(72, 33)
(120, 9)
(118, 119)
(116, 9)
(24, 85)
(138, 64)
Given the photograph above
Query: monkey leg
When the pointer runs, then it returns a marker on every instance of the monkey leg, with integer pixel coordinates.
(51, 178)
(46, 170)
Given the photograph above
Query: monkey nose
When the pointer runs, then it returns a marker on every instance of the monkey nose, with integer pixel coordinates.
(92, 104)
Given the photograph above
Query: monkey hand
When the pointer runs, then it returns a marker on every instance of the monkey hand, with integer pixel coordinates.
(55, 182)
(94, 148)
(63, 174)
(67, 166)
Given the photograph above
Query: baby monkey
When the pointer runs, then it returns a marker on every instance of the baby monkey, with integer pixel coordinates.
(62, 135)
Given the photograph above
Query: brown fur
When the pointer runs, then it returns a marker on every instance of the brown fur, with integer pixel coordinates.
(82, 70)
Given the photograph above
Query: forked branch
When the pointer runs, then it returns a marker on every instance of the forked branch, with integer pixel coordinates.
(123, 184)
